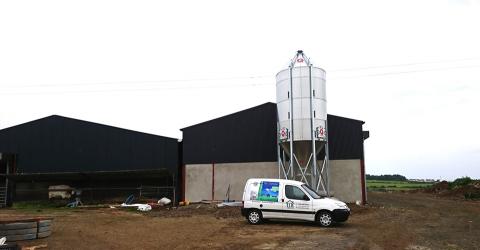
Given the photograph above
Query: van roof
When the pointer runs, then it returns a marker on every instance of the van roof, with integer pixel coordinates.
(279, 180)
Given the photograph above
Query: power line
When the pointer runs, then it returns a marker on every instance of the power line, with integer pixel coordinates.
(140, 82)
(136, 89)
(213, 86)
(404, 64)
(241, 77)
(408, 72)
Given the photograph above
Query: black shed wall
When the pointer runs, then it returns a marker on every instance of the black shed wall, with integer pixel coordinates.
(250, 136)
(60, 144)
(345, 138)
(245, 136)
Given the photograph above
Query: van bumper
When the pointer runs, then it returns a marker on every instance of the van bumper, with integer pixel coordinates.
(340, 215)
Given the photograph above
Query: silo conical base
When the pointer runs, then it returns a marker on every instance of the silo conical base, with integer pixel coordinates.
(302, 167)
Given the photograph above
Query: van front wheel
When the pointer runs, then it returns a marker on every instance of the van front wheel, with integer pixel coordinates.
(325, 219)
(254, 217)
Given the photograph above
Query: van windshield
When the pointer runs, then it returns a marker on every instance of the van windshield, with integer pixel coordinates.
(311, 192)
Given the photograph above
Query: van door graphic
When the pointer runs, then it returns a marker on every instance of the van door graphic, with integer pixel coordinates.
(268, 191)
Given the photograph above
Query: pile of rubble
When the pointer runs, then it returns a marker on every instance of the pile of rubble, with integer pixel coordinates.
(469, 190)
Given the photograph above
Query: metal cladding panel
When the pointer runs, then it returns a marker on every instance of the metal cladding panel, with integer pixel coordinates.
(60, 144)
(250, 136)
(345, 138)
(245, 136)
(301, 100)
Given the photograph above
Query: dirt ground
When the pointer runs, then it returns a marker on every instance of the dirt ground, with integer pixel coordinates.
(390, 221)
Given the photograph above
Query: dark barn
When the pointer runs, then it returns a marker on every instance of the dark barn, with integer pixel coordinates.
(102, 161)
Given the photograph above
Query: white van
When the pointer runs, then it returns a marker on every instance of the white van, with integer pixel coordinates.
(288, 199)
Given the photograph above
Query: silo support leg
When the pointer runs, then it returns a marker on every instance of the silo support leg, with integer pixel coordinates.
(285, 174)
(302, 172)
(305, 169)
(321, 180)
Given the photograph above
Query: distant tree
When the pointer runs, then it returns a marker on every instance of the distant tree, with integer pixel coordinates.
(386, 177)
(460, 182)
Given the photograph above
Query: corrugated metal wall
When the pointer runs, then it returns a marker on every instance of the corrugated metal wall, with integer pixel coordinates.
(345, 138)
(60, 144)
(250, 136)
(245, 136)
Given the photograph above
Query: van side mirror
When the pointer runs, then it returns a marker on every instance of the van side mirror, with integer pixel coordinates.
(305, 197)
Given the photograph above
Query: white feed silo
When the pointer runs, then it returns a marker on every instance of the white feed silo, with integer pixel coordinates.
(302, 123)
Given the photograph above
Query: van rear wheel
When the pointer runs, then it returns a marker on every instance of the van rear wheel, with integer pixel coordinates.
(254, 217)
(325, 219)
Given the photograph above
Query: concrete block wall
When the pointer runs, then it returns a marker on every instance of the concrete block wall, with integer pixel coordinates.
(200, 179)
(346, 180)
(198, 182)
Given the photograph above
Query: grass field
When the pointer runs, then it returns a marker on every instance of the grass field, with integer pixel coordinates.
(396, 185)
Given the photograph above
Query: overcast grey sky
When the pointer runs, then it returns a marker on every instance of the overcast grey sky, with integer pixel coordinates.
(409, 69)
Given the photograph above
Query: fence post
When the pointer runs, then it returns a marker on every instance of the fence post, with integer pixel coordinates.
(174, 197)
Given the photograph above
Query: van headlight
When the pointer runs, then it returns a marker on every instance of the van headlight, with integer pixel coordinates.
(341, 205)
